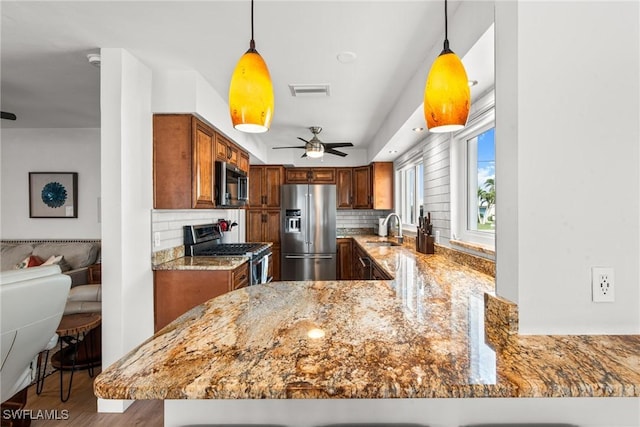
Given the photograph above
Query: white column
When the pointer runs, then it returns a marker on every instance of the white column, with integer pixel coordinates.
(126, 172)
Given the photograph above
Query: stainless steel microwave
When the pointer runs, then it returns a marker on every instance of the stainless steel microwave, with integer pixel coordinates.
(232, 185)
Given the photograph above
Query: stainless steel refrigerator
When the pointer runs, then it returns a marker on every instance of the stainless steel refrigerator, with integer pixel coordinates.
(308, 234)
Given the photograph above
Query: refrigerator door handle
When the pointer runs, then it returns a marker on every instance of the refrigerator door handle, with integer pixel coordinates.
(309, 242)
(307, 256)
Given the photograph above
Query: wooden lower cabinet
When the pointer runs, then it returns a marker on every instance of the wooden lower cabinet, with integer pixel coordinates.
(377, 273)
(177, 291)
(274, 263)
(364, 267)
(345, 259)
(359, 270)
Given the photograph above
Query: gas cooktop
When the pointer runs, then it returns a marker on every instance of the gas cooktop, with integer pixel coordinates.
(204, 240)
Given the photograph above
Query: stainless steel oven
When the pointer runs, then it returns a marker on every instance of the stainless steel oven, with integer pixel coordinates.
(204, 240)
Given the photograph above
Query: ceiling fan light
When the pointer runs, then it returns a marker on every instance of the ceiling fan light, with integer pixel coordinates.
(315, 150)
(251, 94)
(447, 97)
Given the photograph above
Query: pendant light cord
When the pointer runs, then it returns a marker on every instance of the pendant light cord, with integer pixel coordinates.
(252, 44)
(446, 28)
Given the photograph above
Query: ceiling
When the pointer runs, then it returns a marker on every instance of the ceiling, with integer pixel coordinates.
(47, 81)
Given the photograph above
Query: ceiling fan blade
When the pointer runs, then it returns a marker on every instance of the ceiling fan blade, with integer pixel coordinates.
(336, 152)
(302, 139)
(304, 155)
(338, 144)
(7, 116)
(296, 146)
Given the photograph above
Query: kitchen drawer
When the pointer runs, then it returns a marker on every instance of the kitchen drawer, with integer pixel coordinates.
(240, 277)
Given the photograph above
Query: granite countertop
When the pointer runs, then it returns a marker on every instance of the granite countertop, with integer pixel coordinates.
(419, 335)
(203, 263)
(174, 259)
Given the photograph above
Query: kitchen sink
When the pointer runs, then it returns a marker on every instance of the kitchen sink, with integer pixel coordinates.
(379, 243)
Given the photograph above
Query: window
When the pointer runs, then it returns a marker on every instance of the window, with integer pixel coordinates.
(474, 158)
(410, 189)
(481, 187)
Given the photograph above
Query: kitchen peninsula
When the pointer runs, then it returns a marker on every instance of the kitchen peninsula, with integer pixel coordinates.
(420, 335)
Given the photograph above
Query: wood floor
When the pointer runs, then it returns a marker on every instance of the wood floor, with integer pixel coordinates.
(82, 406)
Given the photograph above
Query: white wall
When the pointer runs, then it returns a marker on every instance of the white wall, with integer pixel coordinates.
(179, 91)
(127, 199)
(47, 150)
(574, 142)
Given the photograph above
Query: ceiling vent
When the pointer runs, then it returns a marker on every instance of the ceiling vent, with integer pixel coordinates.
(309, 90)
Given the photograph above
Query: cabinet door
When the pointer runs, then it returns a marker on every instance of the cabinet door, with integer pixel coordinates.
(382, 180)
(323, 176)
(254, 226)
(243, 162)
(202, 186)
(343, 188)
(221, 148)
(274, 267)
(345, 259)
(273, 180)
(272, 227)
(177, 291)
(362, 187)
(256, 194)
(232, 154)
(297, 175)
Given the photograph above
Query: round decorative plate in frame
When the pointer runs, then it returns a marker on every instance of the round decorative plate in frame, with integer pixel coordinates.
(54, 194)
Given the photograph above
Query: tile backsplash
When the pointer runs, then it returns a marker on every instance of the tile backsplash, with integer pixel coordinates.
(359, 218)
(167, 224)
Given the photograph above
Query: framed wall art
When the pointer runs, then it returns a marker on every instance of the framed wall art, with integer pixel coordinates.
(53, 194)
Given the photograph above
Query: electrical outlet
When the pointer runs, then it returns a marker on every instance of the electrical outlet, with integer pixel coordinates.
(602, 284)
(156, 239)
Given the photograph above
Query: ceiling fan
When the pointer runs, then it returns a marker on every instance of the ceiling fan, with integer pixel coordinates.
(7, 116)
(315, 148)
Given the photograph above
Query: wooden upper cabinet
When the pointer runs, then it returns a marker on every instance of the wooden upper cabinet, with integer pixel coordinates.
(344, 185)
(202, 186)
(183, 172)
(382, 180)
(372, 186)
(226, 151)
(310, 175)
(221, 148)
(362, 188)
(185, 149)
(243, 162)
(264, 186)
(297, 175)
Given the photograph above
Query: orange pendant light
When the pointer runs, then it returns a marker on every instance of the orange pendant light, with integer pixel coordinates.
(447, 97)
(251, 91)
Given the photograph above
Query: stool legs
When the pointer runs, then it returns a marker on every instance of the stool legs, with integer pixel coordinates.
(75, 342)
(40, 371)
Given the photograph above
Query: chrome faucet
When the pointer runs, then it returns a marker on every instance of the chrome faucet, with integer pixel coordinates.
(386, 220)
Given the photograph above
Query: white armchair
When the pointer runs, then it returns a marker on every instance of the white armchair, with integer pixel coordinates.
(32, 303)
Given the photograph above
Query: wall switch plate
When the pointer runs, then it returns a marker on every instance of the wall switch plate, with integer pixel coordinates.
(602, 284)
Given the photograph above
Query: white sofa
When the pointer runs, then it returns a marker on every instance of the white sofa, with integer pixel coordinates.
(32, 303)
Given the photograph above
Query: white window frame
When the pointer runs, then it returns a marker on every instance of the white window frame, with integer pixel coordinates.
(459, 185)
(401, 202)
